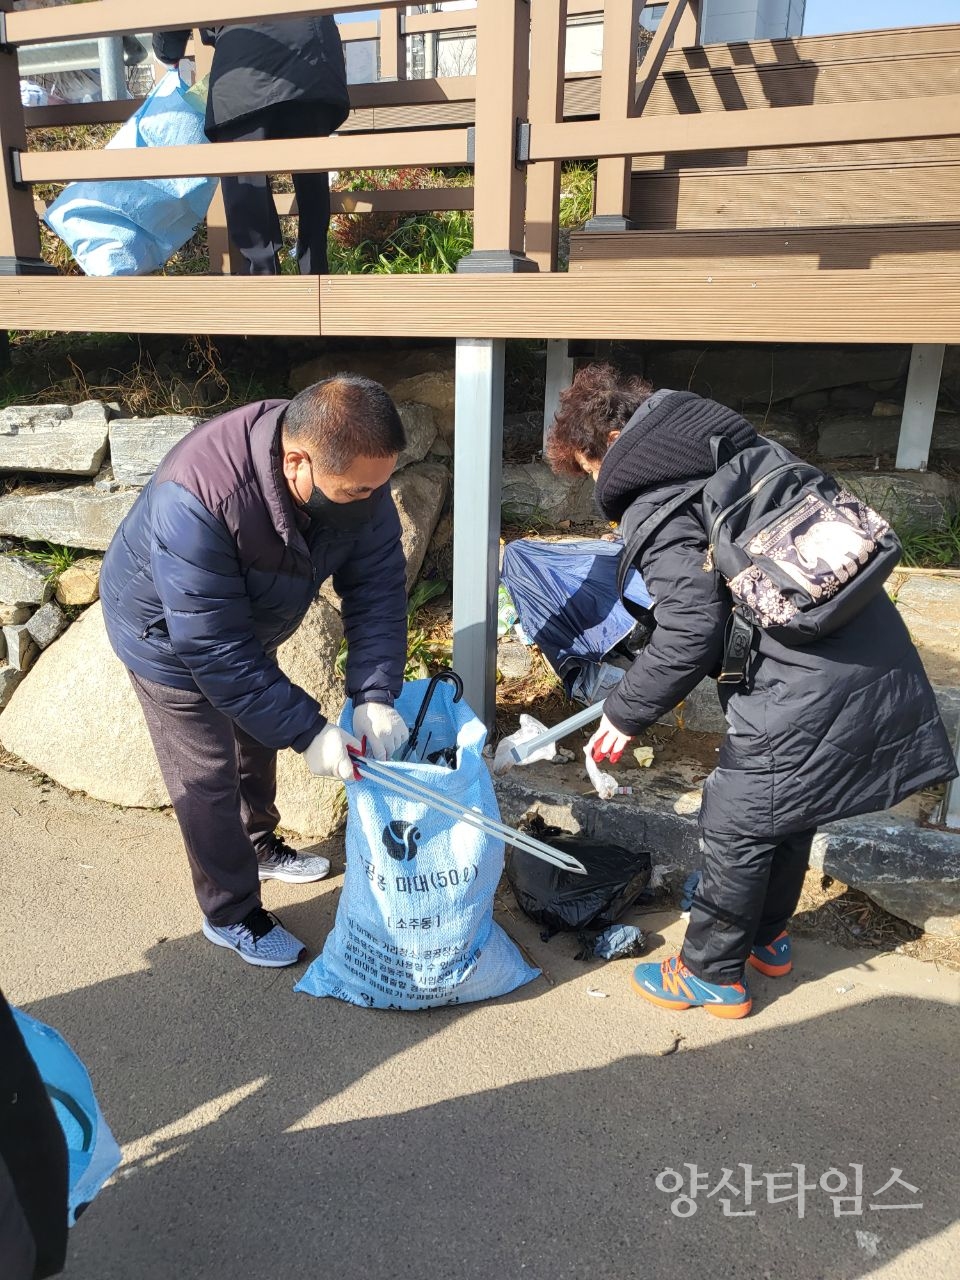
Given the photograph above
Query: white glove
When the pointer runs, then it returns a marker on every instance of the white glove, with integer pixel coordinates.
(327, 755)
(608, 743)
(382, 727)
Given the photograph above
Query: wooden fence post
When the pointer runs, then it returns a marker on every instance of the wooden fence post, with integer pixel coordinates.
(500, 134)
(19, 229)
(622, 97)
(224, 258)
(392, 46)
(548, 42)
(618, 82)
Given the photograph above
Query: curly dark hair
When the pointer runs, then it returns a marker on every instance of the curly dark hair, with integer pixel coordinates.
(601, 399)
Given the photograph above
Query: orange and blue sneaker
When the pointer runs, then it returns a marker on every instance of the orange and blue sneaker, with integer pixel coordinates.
(671, 985)
(774, 959)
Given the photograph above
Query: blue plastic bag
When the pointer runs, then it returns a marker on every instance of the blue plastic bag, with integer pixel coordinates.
(133, 226)
(566, 597)
(414, 926)
(91, 1149)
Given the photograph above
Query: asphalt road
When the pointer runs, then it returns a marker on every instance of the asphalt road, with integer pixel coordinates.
(270, 1134)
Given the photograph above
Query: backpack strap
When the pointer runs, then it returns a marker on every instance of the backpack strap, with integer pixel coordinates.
(642, 535)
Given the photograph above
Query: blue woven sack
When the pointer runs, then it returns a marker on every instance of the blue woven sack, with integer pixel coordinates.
(133, 226)
(414, 926)
(91, 1150)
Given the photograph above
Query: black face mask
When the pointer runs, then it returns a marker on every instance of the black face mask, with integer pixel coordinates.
(347, 516)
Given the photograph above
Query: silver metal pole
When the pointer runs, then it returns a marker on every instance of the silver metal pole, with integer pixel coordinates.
(559, 377)
(113, 81)
(477, 485)
(919, 406)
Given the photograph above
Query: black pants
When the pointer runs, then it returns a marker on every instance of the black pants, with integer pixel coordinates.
(252, 221)
(748, 891)
(223, 787)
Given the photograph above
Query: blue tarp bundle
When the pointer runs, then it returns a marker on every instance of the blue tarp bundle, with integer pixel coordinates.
(565, 594)
(133, 226)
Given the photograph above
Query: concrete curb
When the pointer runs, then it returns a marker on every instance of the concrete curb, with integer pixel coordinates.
(910, 870)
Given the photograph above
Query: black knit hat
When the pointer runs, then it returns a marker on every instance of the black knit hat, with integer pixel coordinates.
(667, 439)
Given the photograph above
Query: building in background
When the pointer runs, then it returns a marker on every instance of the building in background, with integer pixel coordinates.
(726, 21)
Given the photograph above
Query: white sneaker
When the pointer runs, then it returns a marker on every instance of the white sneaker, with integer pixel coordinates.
(280, 862)
(259, 938)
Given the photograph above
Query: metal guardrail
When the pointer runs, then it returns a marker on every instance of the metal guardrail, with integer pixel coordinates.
(77, 55)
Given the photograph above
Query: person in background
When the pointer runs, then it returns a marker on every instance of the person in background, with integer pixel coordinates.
(272, 80)
(214, 567)
(843, 726)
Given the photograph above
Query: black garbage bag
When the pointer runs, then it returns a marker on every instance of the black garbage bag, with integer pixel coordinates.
(559, 899)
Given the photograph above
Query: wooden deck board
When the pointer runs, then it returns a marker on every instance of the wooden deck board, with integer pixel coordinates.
(824, 306)
(283, 305)
(875, 248)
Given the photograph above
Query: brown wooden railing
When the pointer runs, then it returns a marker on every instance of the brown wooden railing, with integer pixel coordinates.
(682, 113)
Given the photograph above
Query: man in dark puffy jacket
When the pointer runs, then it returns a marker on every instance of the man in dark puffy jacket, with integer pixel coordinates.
(215, 566)
(272, 80)
(844, 725)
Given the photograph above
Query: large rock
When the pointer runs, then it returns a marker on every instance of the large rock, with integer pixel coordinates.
(47, 625)
(55, 438)
(20, 646)
(313, 807)
(872, 435)
(929, 604)
(10, 677)
(423, 375)
(139, 445)
(23, 582)
(79, 584)
(77, 719)
(914, 499)
(858, 436)
(436, 389)
(523, 435)
(531, 492)
(419, 493)
(81, 516)
(762, 375)
(420, 425)
(384, 363)
(786, 428)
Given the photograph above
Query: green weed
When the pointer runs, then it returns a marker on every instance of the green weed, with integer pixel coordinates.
(50, 555)
(925, 548)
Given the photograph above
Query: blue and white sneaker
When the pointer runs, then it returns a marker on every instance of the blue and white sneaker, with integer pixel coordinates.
(259, 938)
(775, 958)
(671, 985)
(279, 862)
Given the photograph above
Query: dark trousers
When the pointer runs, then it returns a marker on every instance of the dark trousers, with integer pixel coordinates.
(223, 787)
(252, 221)
(748, 891)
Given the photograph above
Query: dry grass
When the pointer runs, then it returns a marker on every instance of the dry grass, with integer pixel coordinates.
(846, 917)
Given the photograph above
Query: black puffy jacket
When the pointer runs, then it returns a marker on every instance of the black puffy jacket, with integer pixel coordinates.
(261, 65)
(845, 726)
(212, 570)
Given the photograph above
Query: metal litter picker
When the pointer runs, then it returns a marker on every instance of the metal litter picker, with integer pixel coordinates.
(393, 780)
(579, 721)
